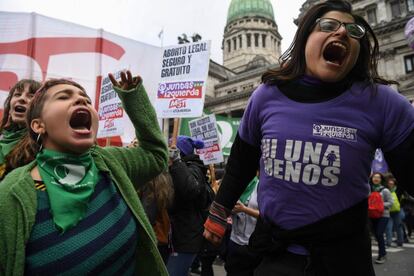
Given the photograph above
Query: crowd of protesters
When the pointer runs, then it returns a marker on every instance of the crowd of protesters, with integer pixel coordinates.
(297, 196)
(390, 214)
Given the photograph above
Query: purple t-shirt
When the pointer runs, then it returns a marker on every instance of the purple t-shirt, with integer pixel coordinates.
(316, 157)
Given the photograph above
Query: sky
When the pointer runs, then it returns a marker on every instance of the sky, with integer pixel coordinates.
(143, 20)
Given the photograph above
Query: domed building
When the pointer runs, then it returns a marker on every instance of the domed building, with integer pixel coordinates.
(251, 45)
(251, 38)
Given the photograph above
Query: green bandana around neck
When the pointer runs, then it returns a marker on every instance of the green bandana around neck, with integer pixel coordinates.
(9, 140)
(377, 187)
(244, 198)
(70, 181)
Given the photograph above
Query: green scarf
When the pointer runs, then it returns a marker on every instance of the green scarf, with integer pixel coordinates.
(9, 140)
(70, 181)
(377, 188)
(244, 198)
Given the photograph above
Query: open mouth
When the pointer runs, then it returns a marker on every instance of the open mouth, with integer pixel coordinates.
(20, 109)
(335, 52)
(80, 119)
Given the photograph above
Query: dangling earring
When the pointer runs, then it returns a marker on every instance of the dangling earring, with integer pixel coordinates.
(37, 142)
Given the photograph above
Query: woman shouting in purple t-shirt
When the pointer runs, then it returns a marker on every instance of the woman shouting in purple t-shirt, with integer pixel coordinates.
(312, 129)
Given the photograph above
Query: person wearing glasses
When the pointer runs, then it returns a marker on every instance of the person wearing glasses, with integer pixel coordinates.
(312, 129)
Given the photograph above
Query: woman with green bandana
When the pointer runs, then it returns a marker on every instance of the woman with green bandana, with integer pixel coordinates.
(13, 124)
(240, 259)
(75, 209)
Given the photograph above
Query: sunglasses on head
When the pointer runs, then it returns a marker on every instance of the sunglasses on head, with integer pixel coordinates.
(330, 25)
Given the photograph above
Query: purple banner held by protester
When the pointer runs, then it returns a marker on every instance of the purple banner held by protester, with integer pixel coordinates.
(379, 164)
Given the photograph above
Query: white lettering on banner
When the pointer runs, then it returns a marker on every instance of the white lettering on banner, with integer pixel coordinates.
(187, 90)
(335, 132)
(306, 162)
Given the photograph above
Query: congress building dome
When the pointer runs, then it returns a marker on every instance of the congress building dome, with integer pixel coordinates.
(251, 35)
(250, 8)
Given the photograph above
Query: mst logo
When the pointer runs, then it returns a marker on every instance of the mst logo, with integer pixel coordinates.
(335, 132)
(177, 103)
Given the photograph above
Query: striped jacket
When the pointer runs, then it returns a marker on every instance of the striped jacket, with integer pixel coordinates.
(18, 201)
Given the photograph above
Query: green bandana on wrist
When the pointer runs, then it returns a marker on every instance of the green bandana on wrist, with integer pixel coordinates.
(70, 181)
(9, 140)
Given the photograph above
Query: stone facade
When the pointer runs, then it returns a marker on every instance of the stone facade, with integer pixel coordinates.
(388, 19)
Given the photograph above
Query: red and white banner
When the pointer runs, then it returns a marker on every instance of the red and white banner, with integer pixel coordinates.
(38, 47)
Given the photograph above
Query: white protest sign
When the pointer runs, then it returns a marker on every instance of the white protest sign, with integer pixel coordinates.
(111, 113)
(205, 129)
(182, 85)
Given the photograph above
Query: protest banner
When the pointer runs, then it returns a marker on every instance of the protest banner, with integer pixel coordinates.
(39, 47)
(110, 112)
(227, 128)
(182, 85)
(378, 163)
(205, 128)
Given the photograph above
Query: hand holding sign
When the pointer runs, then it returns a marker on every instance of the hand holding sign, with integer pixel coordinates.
(127, 81)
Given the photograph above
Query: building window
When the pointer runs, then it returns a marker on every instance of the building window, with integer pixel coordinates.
(256, 40)
(264, 40)
(234, 43)
(410, 5)
(249, 40)
(248, 86)
(409, 63)
(240, 42)
(395, 9)
(228, 45)
(372, 16)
